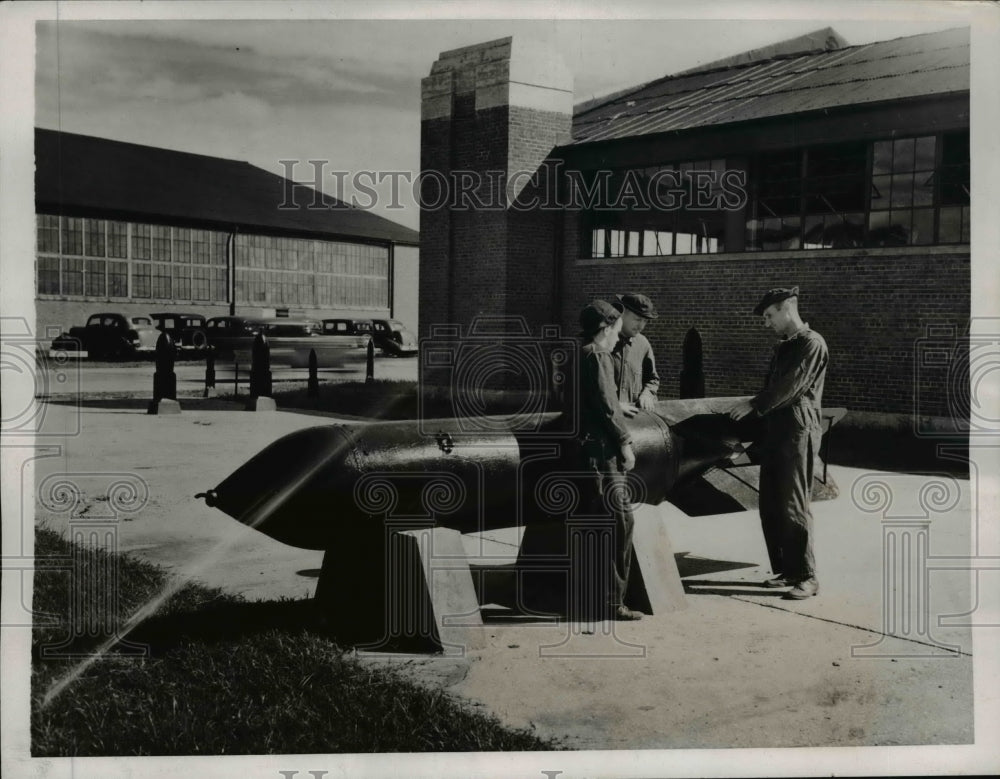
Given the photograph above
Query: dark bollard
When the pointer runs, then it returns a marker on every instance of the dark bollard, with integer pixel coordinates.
(313, 389)
(209, 375)
(260, 376)
(370, 367)
(236, 378)
(692, 372)
(164, 379)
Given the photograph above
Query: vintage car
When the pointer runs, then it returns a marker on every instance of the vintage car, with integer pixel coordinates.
(110, 334)
(392, 337)
(291, 341)
(187, 331)
(230, 334)
(359, 331)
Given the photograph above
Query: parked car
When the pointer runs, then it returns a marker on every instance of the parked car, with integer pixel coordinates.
(392, 337)
(186, 330)
(229, 334)
(359, 331)
(291, 341)
(111, 334)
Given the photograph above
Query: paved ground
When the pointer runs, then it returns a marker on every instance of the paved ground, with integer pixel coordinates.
(738, 667)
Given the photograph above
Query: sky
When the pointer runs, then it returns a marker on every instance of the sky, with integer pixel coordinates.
(344, 91)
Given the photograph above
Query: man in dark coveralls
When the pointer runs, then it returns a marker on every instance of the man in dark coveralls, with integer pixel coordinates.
(635, 369)
(790, 405)
(607, 456)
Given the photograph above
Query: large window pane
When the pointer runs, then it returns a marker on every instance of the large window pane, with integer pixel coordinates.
(161, 281)
(94, 235)
(48, 275)
(902, 155)
(48, 235)
(96, 283)
(141, 280)
(72, 276)
(182, 244)
(922, 231)
(141, 242)
(118, 279)
(117, 239)
(72, 236)
(182, 282)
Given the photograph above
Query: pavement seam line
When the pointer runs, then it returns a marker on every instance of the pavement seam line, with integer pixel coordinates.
(845, 624)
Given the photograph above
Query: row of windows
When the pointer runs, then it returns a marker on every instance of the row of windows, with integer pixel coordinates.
(75, 236)
(254, 286)
(906, 191)
(110, 278)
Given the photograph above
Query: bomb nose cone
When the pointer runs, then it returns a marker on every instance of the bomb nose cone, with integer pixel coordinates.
(269, 492)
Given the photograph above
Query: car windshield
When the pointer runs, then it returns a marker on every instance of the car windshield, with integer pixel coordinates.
(141, 320)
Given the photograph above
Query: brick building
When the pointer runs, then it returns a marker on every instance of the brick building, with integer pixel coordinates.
(136, 229)
(841, 169)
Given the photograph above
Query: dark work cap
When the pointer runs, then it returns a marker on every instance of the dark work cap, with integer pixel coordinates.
(640, 304)
(773, 296)
(596, 315)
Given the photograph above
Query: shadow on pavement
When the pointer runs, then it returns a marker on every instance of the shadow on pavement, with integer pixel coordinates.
(696, 566)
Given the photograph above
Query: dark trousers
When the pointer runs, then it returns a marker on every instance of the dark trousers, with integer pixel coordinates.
(786, 476)
(602, 543)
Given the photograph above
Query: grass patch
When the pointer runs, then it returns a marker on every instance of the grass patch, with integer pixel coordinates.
(272, 685)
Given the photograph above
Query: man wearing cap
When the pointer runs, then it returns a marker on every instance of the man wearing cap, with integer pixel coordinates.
(607, 454)
(635, 370)
(790, 405)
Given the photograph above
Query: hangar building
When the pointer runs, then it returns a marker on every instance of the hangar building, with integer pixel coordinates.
(136, 229)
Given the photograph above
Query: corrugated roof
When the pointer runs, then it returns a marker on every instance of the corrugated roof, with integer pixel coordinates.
(914, 66)
(83, 172)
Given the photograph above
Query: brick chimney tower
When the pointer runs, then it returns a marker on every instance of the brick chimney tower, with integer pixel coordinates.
(491, 115)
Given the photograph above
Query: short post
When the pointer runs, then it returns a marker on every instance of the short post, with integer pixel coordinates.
(370, 367)
(209, 375)
(313, 388)
(260, 376)
(236, 378)
(692, 373)
(164, 379)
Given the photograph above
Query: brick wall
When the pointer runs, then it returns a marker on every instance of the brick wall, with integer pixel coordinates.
(873, 307)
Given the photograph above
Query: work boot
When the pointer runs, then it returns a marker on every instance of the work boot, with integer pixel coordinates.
(625, 614)
(778, 581)
(802, 590)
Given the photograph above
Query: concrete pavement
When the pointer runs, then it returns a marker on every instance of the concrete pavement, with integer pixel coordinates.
(857, 665)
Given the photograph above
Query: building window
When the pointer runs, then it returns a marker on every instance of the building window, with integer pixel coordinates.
(160, 281)
(895, 192)
(72, 235)
(182, 282)
(95, 278)
(902, 192)
(141, 280)
(117, 239)
(117, 279)
(72, 276)
(662, 210)
(48, 275)
(220, 285)
(200, 282)
(953, 226)
(141, 241)
(93, 230)
(48, 235)
(160, 240)
(182, 244)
